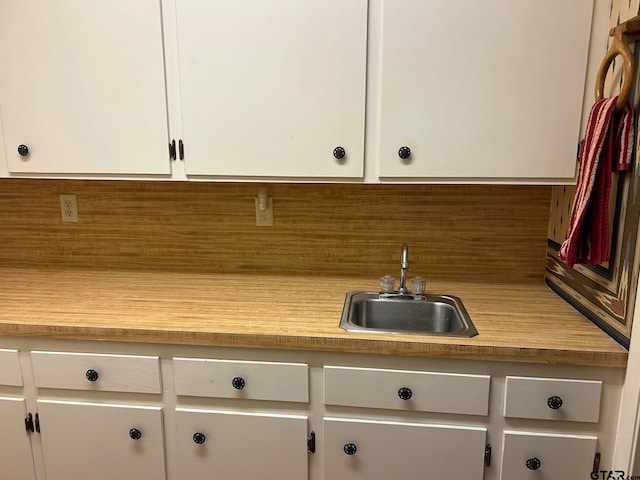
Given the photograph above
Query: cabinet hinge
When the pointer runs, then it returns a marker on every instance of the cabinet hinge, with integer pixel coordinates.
(32, 423)
(180, 149)
(487, 455)
(311, 442)
(596, 465)
(28, 423)
(579, 149)
(172, 150)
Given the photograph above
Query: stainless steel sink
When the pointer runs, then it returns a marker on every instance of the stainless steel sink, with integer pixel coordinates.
(442, 315)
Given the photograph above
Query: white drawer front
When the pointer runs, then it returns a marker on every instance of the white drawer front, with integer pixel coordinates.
(199, 377)
(528, 455)
(10, 371)
(552, 399)
(99, 372)
(428, 392)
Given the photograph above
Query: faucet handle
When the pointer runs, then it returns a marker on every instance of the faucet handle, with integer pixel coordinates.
(418, 285)
(387, 284)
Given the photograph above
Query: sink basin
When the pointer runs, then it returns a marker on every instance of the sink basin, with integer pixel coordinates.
(442, 315)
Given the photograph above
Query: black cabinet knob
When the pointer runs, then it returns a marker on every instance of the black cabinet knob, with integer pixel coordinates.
(404, 152)
(135, 434)
(92, 375)
(23, 150)
(238, 383)
(350, 448)
(554, 402)
(199, 438)
(339, 153)
(405, 393)
(533, 463)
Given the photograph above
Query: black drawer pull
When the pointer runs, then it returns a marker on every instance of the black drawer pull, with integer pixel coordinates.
(405, 393)
(23, 150)
(238, 383)
(404, 152)
(339, 152)
(554, 402)
(533, 463)
(350, 449)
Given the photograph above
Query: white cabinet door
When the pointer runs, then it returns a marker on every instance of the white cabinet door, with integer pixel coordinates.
(101, 441)
(16, 459)
(362, 450)
(482, 90)
(82, 87)
(271, 88)
(233, 445)
(530, 455)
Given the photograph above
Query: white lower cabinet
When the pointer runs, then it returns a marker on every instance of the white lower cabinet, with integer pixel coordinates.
(372, 449)
(101, 441)
(262, 432)
(375, 450)
(544, 456)
(232, 445)
(16, 458)
(89, 437)
(118, 410)
(561, 453)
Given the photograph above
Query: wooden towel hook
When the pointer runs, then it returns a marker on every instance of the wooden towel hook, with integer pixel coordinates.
(623, 35)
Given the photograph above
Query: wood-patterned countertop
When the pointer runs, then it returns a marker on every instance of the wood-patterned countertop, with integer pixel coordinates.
(521, 323)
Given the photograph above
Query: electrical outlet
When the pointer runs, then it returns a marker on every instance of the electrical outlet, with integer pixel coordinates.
(69, 208)
(264, 216)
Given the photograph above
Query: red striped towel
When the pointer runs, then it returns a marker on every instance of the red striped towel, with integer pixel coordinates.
(608, 144)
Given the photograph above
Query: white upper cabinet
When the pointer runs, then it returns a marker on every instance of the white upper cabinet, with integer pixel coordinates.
(82, 88)
(273, 88)
(482, 90)
(469, 91)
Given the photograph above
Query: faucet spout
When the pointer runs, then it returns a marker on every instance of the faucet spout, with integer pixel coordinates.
(404, 265)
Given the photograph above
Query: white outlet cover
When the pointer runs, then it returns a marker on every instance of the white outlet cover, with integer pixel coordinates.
(69, 208)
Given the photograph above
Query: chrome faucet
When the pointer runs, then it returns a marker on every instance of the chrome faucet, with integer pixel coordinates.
(404, 265)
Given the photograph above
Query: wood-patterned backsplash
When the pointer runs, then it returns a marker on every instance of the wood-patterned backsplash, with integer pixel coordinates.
(492, 233)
